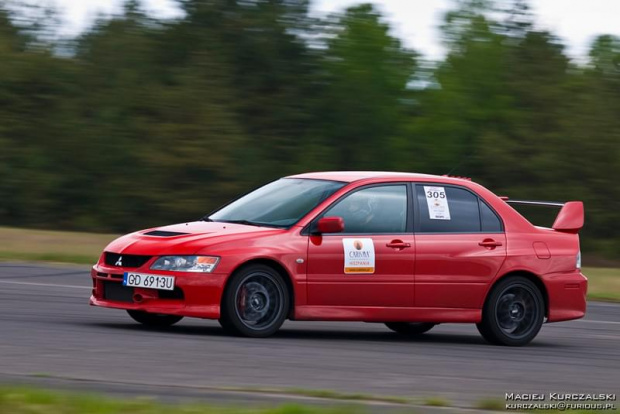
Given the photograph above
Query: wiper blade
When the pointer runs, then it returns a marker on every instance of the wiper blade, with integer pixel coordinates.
(250, 223)
(246, 222)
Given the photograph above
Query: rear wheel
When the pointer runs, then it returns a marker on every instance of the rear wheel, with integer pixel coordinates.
(410, 328)
(255, 303)
(513, 313)
(154, 319)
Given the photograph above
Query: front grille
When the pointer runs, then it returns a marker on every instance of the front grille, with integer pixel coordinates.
(125, 260)
(162, 233)
(116, 291)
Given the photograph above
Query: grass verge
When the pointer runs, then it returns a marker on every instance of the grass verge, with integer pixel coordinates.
(30, 401)
(436, 402)
(85, 248)
(328, 394)
(491, 404)
(52, 246)
(603, 283)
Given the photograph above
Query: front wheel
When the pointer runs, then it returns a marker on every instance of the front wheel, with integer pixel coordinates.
(154, 320)
(255, 302)
(410, 328)
(513, 313)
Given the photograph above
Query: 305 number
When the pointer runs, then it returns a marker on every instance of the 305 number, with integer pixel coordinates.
(435, 194)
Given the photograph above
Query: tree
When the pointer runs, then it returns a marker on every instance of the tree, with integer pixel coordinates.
(365, 77)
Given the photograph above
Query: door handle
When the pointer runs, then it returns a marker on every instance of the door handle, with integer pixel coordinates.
(490, 243)
(398, 244)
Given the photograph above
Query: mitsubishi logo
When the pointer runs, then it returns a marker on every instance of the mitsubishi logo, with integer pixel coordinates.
(119, 262)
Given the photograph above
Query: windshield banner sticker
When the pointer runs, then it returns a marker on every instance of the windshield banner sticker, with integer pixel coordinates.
(437, 202)
(359, 256)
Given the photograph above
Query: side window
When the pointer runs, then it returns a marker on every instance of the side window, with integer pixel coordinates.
(490, 222)
(447, 209)
(373, 210)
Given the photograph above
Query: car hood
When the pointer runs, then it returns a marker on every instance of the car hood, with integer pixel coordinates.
(184, 238)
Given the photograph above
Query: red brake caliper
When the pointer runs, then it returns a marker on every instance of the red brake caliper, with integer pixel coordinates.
(241, 301)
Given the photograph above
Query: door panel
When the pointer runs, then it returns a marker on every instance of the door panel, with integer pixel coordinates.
(453, 270)
(391, 284)
(341, 271)
(459, 252)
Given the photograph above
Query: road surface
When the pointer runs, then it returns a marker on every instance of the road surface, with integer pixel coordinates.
(49, 333)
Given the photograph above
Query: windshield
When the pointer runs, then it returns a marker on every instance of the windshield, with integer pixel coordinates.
(279, 204)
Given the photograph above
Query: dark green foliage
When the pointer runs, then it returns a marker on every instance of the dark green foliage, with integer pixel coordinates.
(141, 122)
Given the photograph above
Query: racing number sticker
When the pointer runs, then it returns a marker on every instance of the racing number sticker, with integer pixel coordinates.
(359, 256)
(437, 202)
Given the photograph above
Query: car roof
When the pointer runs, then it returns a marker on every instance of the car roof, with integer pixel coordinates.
(351, 176)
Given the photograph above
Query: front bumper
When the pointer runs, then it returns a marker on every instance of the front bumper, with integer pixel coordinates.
(196, 294)
(567, 295)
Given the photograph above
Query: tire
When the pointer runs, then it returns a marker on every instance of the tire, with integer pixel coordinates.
(154, 320)
(513, 312)
(255, 303)
(409, 328)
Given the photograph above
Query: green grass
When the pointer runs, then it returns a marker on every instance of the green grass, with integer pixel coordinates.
(30, 400)
(47, 257)
(300, 392)
(85, 248)
(603, 283)
(41, 375)
(436, 402)
(327, 394)
(52, 246)
(491, 404)
(335, 395)
(35, 401)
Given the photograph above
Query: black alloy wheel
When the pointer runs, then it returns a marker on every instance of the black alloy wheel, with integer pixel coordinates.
(255, 303)
(513, 313)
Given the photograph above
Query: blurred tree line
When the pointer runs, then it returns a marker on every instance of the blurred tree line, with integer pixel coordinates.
(140, 122)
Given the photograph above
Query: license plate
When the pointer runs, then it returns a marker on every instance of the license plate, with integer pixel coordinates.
(148, 281)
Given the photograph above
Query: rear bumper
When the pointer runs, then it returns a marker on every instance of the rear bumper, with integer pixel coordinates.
(567, 295)
(195, 295)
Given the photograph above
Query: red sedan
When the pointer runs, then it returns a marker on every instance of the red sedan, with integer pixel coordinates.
(407, 250)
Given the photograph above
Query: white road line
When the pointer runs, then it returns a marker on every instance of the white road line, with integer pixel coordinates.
(44, 284)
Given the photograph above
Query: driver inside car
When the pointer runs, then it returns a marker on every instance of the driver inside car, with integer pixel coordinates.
(359, 213)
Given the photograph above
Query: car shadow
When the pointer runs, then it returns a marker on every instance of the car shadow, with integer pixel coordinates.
(318, 334)
(375, 336)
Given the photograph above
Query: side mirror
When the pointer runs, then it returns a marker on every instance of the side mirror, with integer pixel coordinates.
(330, 225)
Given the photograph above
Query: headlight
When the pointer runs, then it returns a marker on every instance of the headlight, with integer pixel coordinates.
(204, 264)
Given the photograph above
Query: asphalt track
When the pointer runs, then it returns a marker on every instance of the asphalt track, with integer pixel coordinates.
(49, 334)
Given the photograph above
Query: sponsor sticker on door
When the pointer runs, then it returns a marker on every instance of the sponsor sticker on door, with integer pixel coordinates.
(437, 202)
(359, 256)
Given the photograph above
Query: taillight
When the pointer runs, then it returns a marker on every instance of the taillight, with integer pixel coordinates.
(578, 264)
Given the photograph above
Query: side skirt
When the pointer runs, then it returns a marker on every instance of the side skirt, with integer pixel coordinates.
(379, 314)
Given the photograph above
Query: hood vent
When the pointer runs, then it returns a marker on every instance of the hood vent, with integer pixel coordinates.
(161, 233)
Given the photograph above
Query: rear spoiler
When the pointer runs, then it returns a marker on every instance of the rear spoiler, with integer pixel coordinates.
(570, 218)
